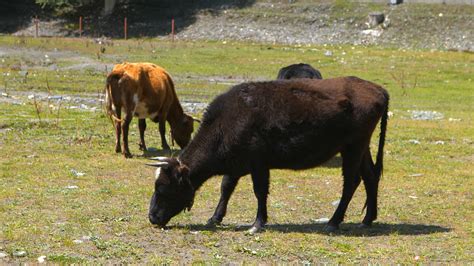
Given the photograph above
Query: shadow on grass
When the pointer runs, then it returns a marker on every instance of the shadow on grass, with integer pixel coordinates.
(334, 162)
(346, 229)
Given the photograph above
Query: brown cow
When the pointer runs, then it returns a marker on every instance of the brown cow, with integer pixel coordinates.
(145, 90)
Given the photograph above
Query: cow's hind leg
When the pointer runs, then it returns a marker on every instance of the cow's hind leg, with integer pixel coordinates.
(118, 131)
(260, 179)
(351, 158)
(227, 188)
(371, 183)
(142, 128)
(125, 126)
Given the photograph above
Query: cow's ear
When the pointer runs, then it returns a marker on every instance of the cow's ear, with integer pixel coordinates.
(183, 175)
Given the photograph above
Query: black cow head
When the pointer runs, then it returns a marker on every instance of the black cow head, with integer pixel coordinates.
(173, 191)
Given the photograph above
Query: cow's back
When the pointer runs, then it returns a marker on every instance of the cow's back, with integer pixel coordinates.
(145, 86)
(284, 121)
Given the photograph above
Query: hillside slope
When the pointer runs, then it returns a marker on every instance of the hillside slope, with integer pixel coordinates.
(427, 26)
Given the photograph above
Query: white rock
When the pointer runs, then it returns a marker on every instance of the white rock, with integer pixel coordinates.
(77, 241)
(375, 33)
(320, 220)
(72, 187)
(41, 259)
(439, 142)
(414, 141)
(335, 203)
(77, 173)
(3, 255)
(31, 96)
(20, 253)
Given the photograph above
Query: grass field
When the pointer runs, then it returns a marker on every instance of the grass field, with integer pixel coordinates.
(66, 195)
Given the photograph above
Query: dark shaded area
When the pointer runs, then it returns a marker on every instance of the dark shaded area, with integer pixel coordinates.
(145, 18)
(346, 229)
(17, 14)
(334, 162)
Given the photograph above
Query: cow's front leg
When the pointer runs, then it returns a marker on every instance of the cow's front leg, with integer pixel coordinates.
(227, 188)
(260, 179)
(125, 126)
(162, 128)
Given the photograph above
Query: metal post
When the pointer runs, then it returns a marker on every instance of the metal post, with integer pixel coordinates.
(125, 28)
(36, 26)
(80, 26)
(172, 29)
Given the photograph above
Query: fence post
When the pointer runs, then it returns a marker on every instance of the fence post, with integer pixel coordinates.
(36, 26)
(125, 28)
(80, 26)
(172, 29)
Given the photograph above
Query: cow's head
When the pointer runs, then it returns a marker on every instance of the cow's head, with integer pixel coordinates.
(183, 129)
(173, 191)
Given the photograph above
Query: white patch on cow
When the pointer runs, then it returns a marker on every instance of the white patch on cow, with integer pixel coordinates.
(157, 172)
(140, 111)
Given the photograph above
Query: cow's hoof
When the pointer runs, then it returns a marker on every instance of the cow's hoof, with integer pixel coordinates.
(127, 155)
(213, 222)
(331, 228)
(142, 147)
(118, 150)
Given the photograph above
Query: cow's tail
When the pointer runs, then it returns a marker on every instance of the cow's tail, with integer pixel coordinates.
(109, 98)
(378, 169)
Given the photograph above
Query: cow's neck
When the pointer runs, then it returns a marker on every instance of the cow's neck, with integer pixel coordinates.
(201, 158)
(175, 113)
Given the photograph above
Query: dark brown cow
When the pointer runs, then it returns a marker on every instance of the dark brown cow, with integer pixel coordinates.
(298, 71)
(286, 124)
(145, 90)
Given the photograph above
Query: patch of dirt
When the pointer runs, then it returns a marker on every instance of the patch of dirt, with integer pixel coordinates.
(33, 58)
(411, 26)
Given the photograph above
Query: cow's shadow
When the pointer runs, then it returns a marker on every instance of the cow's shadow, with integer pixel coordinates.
(155, 152)
(346, 229)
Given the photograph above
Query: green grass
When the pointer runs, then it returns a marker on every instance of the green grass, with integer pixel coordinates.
(426, 196)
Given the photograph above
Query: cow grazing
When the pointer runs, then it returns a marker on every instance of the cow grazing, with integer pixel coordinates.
(285, 124)
(299, 71)
(145, 90)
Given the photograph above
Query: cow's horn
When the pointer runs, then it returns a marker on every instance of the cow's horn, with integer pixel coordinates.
(197, 120)
(159, 158)
(159, 164)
